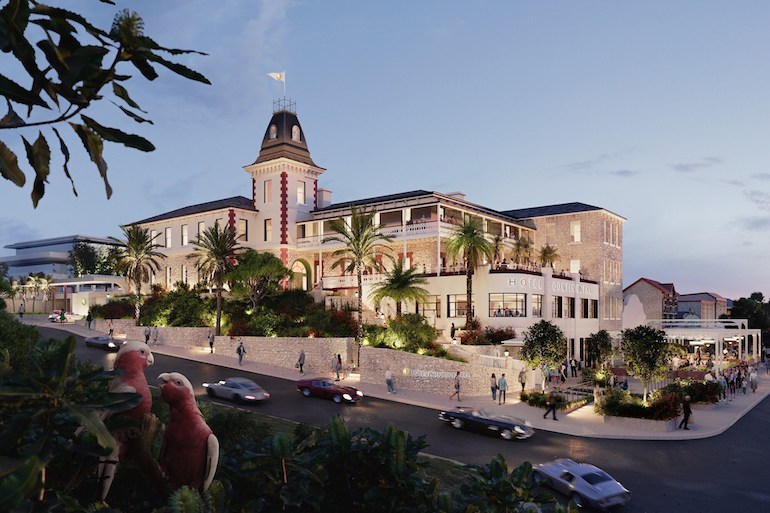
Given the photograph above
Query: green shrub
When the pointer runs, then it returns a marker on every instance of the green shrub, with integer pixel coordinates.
(700, 391)
(17, 339)
(413, 332)
(621, 403)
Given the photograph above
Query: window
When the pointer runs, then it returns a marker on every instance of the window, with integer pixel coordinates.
(167, 235)
(268, 191)
(301, 231)
(556, 307)
(457, 305)
(184, 274)
(201, 229)
(301, 193)
(268, 230)
(570, 308)
(153, 234)
(574, 231)
(537, 305)
(168, 277)
(185, 238)
(243, 230)
(431, 307)
(594, 309)
(585, 313)
(507, 305)
(550, 233)
(574, 266)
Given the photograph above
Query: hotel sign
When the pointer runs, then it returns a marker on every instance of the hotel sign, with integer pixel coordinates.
(557, 286)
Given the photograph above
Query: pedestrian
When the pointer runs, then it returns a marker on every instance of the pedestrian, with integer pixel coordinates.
(687, 411)
(300, 361)
(241, 353)
(597, 393)
(389, 382)
(147, 335)
(523, 378)
(573, 366)
(753, 379)
(493, 386)
(337, 363)
(111, 328)
(457, 388)
(722, 387)
(155, 335)
(502, 388)
(563, 372)
(452, 331)
(23, 308)
(550, 402)
(62, 316)
(211, 341)
(89, 319)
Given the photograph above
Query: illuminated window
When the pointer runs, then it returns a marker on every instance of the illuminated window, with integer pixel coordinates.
(301, 193)
(268, 230)
(556, 307)
(574, 231)
(537, 305)
(457, 305)
(570, 308)
(185, 239)
(243, 230)
(184, 274)
(168, 277)
(507, 305)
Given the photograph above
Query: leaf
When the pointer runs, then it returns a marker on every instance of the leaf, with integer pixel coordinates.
(115, 135)
(122, 93)
(93, 423)
(144, 67)
(66, 152)
(11, 119)
(179, 69)
(13, 91)
(9, 166)
(94, 146)
(39, 157)
(135, 117)
(16, 487)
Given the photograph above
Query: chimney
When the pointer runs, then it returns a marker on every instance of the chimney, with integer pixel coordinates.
(457, 195)
(324, 197)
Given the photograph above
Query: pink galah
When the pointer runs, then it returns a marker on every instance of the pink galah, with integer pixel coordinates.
(190, 452)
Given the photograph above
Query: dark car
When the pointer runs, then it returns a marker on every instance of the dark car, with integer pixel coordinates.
(105, 342)
(586, 484)
(237, 390)
(481, 421)
(328, 389)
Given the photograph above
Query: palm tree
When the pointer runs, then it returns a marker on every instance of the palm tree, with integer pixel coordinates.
(470, 241)
(214, 254)
(138, 259)
(522, 250)
(33, 286)
(497, 244)
(548, 255)
(44, 284)
(401, 285)
(361, 241)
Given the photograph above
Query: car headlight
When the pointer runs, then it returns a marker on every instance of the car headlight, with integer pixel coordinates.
(222, 382)
(347, 397)
(111, 345)
(249, 397)
(205, 385)
(519, 430)
(359, 393)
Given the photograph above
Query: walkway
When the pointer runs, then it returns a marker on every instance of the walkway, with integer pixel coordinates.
(706, 421)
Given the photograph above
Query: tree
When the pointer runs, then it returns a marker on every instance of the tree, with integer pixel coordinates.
(138, 259)
(646, 353)
(83, 259)
(362, 242)
(470, 242)
(44, 285)
(544, 346)
(214, 254)
(548, 256)
(599, 347)
(257, 275)
(33, 288)
(522, 250)
(6, 285)
(80, 61)
(400, 285)
(754, 310)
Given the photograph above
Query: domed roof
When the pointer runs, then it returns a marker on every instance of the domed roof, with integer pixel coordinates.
(284, 137)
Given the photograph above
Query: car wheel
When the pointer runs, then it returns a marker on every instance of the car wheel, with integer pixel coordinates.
(338, 399)
(457, 423)
(577, 499)
(236, 399)
(538, 478)
(507, 434)
(210, 393)
(306, 392)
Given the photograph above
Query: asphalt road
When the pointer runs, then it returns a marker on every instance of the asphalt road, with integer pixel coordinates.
(720, 474)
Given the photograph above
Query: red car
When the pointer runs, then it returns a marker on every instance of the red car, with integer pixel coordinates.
(328, 389)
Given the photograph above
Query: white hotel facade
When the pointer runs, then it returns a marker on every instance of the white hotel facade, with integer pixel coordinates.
(288, 213)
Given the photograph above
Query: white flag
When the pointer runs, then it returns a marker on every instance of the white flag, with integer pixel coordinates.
(280, 76)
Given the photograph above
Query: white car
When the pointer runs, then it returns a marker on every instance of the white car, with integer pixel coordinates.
(105, 342)
(586, 484)
(55, 316)
(239, 390)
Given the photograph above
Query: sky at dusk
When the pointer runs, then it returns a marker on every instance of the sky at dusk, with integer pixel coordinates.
(657, 111)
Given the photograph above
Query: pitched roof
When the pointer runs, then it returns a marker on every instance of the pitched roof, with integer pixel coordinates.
(234, 202)
(552, 210)
(700, 296)
(284, 137)
(666, 288)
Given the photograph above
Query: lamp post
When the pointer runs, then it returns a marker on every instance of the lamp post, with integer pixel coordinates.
(506, 353)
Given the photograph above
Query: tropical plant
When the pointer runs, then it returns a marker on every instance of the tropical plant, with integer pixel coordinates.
(138, 259)
(497, 244)
(544, 346)
(33, 288)
(522, 250)
(83, 259)
(598, 347)
(361, 243)
(214, 254)
(646, 353)
(400, 285)
(470, 242)
(548, 256)
(44, 287)
(73, 77)
(257, 276)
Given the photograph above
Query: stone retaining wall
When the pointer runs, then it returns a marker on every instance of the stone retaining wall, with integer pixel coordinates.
(642, 425)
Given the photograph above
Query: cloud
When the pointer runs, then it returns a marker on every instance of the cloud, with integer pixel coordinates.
(581, 165)
(703, 163)
(623, 173)
(13, 231)
(760, 176)
(756, 223)
(759, 198)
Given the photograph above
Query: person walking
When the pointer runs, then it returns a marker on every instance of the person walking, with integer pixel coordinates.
(23, 308)
(147, 335)
(686, 411)
(523, 378)
(457, 388)
(89, 319)
(111, 328)
(753, 380)
(452, 331)
(155, 335)
(493, 386)
(550, 402)
(211, 341)
(241, 353)
(389, 382)
(301, 361)
(337, 363)
(502, 388)
(573, 365)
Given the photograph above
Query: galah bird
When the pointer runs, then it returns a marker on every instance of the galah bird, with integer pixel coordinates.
(189, 452)
(132, 358)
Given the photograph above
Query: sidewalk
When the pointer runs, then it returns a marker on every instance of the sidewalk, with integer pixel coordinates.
(706, 421)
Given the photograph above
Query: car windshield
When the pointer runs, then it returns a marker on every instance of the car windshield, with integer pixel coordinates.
(596, 477)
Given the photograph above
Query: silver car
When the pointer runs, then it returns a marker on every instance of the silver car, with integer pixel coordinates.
(239, 390)
(105, 342)
(587, 485)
